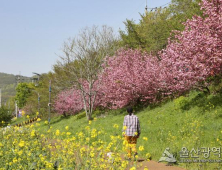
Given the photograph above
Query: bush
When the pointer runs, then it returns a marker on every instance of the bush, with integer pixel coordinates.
(5, 116)
(182, 103)
(81, 115)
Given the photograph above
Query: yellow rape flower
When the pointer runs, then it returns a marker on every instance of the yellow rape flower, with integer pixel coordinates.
(23, 113)
(20, 152)
(145, 138)
(87, 128)
(148, 155)
(124, 127)
(92, 154)
(33, 133)
(21, 143)
(141, 148)
(116, 126)
(57, 132)
(14, 160)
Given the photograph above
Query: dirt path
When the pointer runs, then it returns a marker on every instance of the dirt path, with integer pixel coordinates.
(152, 165)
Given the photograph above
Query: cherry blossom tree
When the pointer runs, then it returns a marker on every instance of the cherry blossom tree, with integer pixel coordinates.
(189, 59)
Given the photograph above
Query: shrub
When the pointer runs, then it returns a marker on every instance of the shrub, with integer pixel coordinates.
(182, 103)
(5, 116)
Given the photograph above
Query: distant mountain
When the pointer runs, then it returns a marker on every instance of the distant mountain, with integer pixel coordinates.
(8, 84)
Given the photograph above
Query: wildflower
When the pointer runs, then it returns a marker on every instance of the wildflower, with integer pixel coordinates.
(21, 143)
(68, 133)
(90, 122)
(133, 168)
(87, 128)
(23, 113)
(37, 113)
(145, 138)
(67, 127)
(46, 122)
(33, 133)
(141, 148)
(124, 127)
(145, 168)
(92, 154)
(20, 152)
(38, 119)
(148, 156)
(14, 160)
(27, 116)
(116, 126)
(57, 132)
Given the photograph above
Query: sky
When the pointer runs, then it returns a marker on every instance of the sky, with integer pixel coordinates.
(32, 32)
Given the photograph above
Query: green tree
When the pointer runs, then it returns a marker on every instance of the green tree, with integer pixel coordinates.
(23, 91)
(41, 90)
(155, 27)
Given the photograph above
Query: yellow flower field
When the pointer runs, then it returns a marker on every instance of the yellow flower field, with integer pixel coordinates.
(25, 148)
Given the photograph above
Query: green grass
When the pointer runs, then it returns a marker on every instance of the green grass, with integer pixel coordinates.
(190, 121)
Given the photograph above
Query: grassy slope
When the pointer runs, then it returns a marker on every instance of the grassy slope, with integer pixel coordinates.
(193, 121)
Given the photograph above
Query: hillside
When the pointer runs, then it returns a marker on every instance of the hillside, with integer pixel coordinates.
(8, 84)
(191, 121)
(6, 79)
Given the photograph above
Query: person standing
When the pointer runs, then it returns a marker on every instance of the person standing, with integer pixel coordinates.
(131, 131)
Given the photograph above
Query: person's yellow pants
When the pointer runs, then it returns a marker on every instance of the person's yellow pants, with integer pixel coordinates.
(131, 145)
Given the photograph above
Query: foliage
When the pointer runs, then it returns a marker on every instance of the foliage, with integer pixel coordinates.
(155, 27)
(69, 102)
(23, 91)
(5, 116)
(186, 62)
(190, 58)
(181, 103)
(129, 77)
(41, 89)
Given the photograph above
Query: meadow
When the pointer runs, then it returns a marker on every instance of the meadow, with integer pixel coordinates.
(192, 121)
